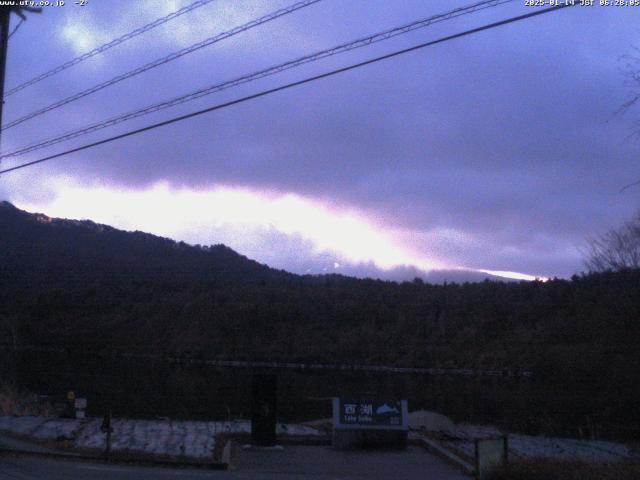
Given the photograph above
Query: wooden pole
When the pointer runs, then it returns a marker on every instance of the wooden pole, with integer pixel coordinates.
(5, 19)
(5, 14)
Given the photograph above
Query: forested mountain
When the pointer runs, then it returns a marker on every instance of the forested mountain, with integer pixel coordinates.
(79, 283)
(52, 253)
(70, 282)
(88, 287)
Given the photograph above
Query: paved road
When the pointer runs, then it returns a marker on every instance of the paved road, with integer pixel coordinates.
(10, 443)
(304, 463)
(324, 463)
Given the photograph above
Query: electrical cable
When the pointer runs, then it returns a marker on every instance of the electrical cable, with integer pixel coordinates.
(161, 61)
(293, 84)
(107, 46)
(345, 47)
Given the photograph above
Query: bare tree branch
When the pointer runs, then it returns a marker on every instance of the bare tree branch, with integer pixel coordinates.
(631, 70)
(617, 249)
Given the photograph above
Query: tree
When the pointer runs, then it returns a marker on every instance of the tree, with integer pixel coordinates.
(618, 249)
(631, 70)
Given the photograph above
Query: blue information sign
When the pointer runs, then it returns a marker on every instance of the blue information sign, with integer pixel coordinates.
(367, 413)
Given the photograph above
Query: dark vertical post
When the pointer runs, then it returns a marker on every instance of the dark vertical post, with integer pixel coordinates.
(505, 452)
(5, 14)
(107, 429)
(108, 449)
(263, 409)
(5, 19)
(477, 460)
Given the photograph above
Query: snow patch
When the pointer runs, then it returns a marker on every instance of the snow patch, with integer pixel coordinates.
(527, 446)
(193, 439)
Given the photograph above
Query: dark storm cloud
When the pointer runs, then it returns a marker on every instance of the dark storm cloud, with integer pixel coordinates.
(505, 138)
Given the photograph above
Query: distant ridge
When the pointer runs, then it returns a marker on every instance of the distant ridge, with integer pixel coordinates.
(78, 287)
(36, 242)
(35, 247)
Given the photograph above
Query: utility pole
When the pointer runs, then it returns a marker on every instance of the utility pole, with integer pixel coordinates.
(5, 13)
(5, 18)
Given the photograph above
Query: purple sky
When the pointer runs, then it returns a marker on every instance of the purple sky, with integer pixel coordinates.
(498, 152)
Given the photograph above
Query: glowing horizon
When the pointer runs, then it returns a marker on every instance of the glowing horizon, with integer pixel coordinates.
(190, 215)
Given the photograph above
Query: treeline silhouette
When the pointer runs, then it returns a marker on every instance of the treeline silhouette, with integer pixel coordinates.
(93, 288)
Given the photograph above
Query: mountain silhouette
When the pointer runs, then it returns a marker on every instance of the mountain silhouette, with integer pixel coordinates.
(49, 252)
(79, 286)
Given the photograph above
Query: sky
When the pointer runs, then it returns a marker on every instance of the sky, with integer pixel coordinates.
(500, 152)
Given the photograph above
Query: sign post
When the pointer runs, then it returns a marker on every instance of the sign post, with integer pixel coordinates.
(361, 423)
(80, 407)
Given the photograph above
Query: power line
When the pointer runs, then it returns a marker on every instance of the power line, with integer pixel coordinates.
(292, 84)
(345, 47)
(5, 20)
(111, 44)
(161, 61)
